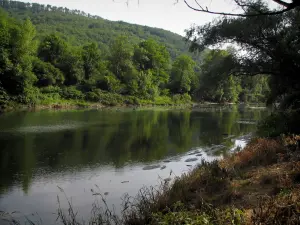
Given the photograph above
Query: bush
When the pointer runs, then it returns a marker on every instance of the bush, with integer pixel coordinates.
(51, 89)
(92, 96)
(280, 123)
(260, 152)
(72, 93)
(31, 96)
(46, 73)
(111, 99)
(4, 98)
(284, 209)
(106, 98)
(206, 184)
(163, 100)
(182, 218)
(131, 100)
(181, 99)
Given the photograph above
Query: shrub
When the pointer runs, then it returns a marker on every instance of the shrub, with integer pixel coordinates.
(131, 100)
(163, 100)
(181, 218)
(260, 152)
(111, 99)
(180, 99)
(46, 73)
(72, 93)
(284, 209)
(92, 96)
(4, 98)
(51, 89)
(206, 184)
(280, 123)
(31, 96)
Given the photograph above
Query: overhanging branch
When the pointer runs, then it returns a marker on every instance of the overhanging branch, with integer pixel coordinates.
(288, 7)
(285, 4)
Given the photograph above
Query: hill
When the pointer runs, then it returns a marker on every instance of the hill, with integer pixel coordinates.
(52, 54)
(80, 28)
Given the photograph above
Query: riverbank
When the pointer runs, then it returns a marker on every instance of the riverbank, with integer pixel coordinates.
(258, 185)
(108, 101)
(65, 104)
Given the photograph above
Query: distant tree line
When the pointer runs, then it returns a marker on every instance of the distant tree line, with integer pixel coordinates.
(36, 8)
(47, 69)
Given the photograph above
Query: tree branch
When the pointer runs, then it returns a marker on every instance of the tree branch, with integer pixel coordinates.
(285, 4)
(243, 73)
(288, 7)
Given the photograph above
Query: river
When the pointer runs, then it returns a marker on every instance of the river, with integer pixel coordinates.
(116, 149)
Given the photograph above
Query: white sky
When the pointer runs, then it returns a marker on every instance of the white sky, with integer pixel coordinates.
(154, 13)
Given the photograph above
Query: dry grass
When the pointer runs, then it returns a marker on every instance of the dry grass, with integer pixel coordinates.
(281, 209)
(259, 152)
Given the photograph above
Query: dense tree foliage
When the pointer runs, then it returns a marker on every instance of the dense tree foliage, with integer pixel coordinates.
(81, 28)
(183, 77)
(16, 47)
(46, 67)
(218, 84)
(271, 45)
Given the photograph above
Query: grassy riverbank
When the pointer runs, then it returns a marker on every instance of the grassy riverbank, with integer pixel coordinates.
(258, 185)
(102, 101)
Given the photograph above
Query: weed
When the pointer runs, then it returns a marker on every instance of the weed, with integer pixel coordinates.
(261, 152)
(283, 209)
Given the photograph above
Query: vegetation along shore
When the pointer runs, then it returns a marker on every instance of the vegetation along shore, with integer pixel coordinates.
(58, 57)
(46, 62)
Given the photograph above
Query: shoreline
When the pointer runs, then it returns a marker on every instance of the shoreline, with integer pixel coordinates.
(92, 105)
(256, 185)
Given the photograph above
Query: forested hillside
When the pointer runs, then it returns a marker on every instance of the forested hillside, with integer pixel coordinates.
(51, 55)
(79, 27)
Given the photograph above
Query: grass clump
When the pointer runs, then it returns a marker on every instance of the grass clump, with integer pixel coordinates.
(190, 198)
(260, 152)
(183, 216)
(283, 209)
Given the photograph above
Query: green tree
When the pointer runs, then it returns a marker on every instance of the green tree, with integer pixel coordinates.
(216, 84)
(272, 44)
(72, 66)
(121, 58)
(91, 58)
(254, 89)
(63, 56)
(150, 55)
(46, 73)
(17, 46)
(52, 48)
(183, 77)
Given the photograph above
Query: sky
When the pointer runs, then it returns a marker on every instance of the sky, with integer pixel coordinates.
(154, 13)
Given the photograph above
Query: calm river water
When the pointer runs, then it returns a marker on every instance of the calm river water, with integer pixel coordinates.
(43, 151)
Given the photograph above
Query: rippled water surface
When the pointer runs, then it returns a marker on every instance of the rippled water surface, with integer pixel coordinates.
(119, 151)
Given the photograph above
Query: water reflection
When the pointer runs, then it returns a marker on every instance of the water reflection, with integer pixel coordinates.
(35, 145)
